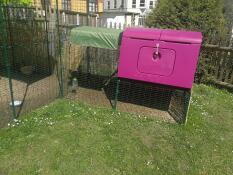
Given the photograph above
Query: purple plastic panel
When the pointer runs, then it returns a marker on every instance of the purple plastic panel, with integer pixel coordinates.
(166, 57)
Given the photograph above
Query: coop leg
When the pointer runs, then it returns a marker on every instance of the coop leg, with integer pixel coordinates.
(187, 100)
(110, 78)
(116, 94)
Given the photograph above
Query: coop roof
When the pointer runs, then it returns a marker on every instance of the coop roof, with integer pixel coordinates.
(96, 37)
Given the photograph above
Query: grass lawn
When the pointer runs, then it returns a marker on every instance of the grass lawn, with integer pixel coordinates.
(72, 138)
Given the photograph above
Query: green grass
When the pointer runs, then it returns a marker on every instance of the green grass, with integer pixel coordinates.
(71, 138)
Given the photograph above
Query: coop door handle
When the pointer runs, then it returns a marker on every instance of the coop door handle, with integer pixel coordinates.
(156, 53)
(157, 50)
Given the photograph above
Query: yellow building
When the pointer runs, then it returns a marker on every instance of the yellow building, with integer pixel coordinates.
(95, 6)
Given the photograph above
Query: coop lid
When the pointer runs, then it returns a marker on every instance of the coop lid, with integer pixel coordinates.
(180, 36)
(142, 33)
(96, 37)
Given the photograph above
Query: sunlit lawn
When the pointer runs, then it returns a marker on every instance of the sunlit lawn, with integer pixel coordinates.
(66, 137)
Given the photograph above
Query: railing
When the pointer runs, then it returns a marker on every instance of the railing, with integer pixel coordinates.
(216, 65)
(72, 18)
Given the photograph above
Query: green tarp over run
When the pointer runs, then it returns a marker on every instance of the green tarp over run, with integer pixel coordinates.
(96, 37)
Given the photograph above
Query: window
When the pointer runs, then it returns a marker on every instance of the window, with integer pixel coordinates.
(141, 20)
(115, 4)
(66, 4)
(108, 4)
(151, 4)
(142, 3)
(92, 7)
(122, 4)
(133, 3)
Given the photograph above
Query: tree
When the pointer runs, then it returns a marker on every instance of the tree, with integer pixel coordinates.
(24, 2)
(229, 10)
(206, 16)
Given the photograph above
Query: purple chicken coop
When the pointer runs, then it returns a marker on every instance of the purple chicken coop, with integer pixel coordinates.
(167, 57)
(155, 69)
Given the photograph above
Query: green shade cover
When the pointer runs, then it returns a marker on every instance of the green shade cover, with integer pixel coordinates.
(96, 37)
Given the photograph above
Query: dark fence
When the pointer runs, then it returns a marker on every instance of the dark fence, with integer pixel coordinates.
(216, 65)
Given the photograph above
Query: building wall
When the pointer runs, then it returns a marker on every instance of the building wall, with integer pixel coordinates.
(116, 14)
(76, 5)
(100, 6)
(53, 4)
(128, 6)
(118, 20)
(79, 6)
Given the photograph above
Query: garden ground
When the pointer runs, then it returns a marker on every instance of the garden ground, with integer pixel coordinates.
(67, 137)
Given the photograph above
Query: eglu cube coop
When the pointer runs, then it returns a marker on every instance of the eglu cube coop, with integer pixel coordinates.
(154, 72)
(159, 56)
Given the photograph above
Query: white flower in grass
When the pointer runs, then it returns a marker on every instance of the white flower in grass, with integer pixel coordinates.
(94, 113)
(222, 139)
(111, 122)
(50, 123)
(149, 163)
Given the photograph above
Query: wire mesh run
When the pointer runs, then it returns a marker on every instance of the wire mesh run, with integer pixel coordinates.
(29, 62)
(94, 69)
(35, 57)
(155, 100)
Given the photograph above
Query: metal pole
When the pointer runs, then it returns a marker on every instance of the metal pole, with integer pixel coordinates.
(87, 12)
(59, 49)
(187, 100)
(47, 36)
(10, 35)
(6, 56)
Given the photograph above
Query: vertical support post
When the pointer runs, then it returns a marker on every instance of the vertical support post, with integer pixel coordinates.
(3, 26)
(87, 12)
(88, 66)
(116, 94)
(10, 35)
(47, 36)
(59, 50)
(187, 100)
(78, 20)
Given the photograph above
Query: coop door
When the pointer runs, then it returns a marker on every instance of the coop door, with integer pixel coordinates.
(156, 60)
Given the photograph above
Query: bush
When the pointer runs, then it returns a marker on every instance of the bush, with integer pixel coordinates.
(22, 2)
(205, 16)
